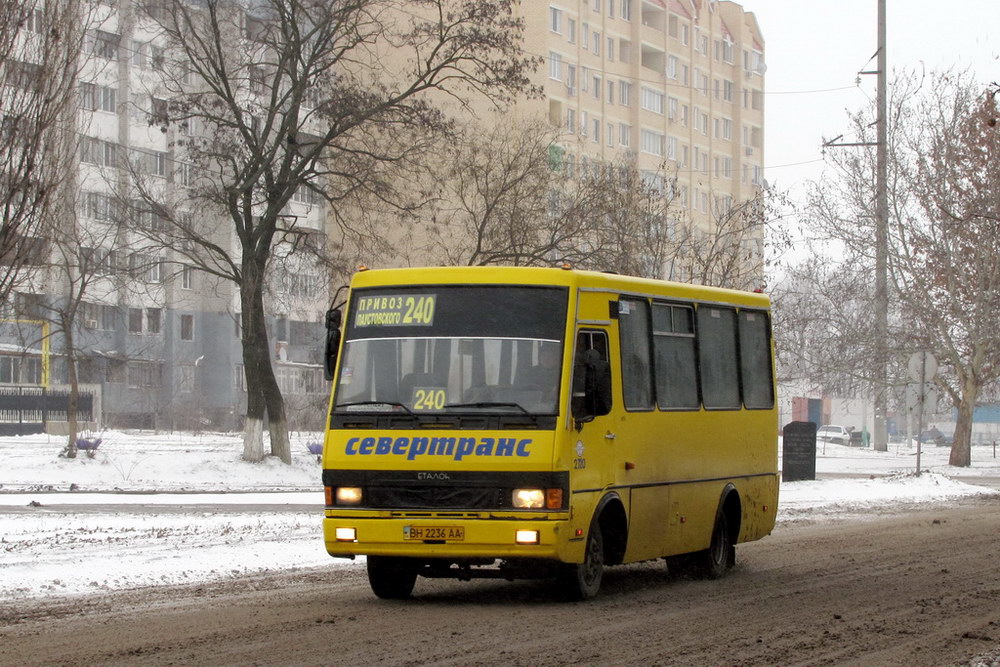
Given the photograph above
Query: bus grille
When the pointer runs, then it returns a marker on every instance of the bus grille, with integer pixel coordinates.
(434, 497)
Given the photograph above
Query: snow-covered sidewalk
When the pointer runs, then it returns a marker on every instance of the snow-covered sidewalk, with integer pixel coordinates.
(49, 550)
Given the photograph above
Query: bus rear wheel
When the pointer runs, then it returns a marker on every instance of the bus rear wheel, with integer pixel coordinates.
(582, 581)
(391, 578)
(720, 556)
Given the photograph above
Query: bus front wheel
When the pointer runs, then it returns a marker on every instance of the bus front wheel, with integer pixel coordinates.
(391, 578)
(582, 581)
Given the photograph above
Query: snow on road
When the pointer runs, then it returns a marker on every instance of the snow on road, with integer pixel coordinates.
(163, 516)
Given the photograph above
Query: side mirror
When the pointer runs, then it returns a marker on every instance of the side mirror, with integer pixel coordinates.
(333, 319)
(591, 388)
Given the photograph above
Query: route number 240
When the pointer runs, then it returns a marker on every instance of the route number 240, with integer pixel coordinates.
(419, 310)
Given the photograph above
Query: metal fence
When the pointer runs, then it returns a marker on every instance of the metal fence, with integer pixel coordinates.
(26, 410)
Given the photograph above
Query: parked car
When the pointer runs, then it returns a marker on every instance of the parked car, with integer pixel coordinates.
(934, 436)
(838, 435)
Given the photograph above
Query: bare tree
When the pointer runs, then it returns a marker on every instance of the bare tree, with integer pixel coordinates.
(507, 195)
(640, 225)
(950, 276)
(740, 241)
(943, 259)
(512, 193)
(292, 95)
(40, 46)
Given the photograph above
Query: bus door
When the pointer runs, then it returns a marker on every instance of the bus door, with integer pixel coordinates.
(593, 439)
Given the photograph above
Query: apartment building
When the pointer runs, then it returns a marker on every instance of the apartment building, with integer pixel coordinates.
(156, 340)
(673, 86)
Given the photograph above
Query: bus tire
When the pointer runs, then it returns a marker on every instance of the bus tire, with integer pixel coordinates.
(720, 555)
(391, 578)
(582, 581)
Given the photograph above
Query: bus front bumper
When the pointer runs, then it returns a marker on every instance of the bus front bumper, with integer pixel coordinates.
(443, 537)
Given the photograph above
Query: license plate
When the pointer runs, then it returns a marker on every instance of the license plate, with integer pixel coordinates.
(451, 533)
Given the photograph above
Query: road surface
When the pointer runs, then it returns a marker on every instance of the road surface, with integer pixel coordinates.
(917, 588)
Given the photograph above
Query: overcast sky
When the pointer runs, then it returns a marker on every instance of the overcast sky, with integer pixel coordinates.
(813, 45)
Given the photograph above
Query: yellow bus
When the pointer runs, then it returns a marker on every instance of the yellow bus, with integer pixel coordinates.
(543, 422)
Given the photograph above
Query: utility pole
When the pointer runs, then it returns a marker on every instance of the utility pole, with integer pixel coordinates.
(881, 241)
(880, 364)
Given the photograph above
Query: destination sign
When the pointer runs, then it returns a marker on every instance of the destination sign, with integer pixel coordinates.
(395, 310)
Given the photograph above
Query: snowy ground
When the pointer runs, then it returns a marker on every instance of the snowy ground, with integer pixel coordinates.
(49, 549)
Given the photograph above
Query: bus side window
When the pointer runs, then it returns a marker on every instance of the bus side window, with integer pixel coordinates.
(717, 357)
(675, 359)
(637, 380)
(755, 360)
(591, 387)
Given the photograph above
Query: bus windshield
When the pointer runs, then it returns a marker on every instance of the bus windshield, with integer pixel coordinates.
(444, 348)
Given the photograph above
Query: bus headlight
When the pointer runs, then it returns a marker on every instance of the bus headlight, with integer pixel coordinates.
(348, 495)
(529, 499)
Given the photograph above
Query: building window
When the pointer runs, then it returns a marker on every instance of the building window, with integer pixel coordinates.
(651, 100)
(140, 54)
(597, 131)
(597, 87)
(135, 320)
(625, 92)
(143, 374)
(99, 152)
(597, 43)
(185, 378)
(611, 134)
(624, 134)
(106, 44)
(98, 98)
(20, 370)
(153, 320)
(147, 268)
(187, 327)
(187, 278)
(555, 66)
(651, 142)
(672, 63)
(555, 20)
(571, 31)
(626, 9)
(611, 49)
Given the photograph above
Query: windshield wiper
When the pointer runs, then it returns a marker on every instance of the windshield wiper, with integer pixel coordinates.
(488, 404)
(392, 403)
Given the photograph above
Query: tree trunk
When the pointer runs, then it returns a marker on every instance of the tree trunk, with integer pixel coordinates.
(253, 429)
(961, 446)
(263, 393)
(253, 362)
(74, 386)
(274, 405)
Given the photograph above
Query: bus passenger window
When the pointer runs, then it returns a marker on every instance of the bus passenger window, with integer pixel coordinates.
(633, 323)
(675, 366)
(717, 356)
(755, 360)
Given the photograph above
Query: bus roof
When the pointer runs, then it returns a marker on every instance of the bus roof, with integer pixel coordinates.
(575, 278)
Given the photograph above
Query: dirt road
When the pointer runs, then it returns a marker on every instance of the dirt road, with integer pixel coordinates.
(919, 588)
